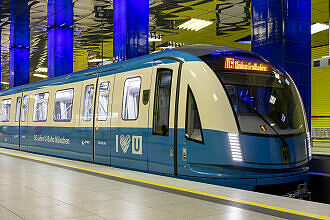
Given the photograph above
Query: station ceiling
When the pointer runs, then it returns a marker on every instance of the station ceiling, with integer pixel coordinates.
(320, 40)
(230, 22)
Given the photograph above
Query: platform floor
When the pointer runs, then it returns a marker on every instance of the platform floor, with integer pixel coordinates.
(41, 187)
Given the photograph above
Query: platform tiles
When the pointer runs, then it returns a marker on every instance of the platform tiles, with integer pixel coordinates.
(41, 187)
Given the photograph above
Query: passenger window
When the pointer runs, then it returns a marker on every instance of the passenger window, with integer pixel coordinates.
(88, 103)
(24, 108)
(40, 107)
(131, 98)
(162, 102)
(102, 110)
(63, 105)
(193, 123)
(5, 110)
(18, 108)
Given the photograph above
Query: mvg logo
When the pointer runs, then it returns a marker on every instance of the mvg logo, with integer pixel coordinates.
(125, 143)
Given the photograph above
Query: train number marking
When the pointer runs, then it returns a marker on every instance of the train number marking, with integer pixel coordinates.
(125, 143)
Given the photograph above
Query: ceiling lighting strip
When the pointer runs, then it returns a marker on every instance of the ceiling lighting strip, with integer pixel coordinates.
(195, 24)
(318, 27)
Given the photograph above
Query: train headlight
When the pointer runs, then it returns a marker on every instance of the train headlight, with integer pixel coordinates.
(309, 145)
(235, 147)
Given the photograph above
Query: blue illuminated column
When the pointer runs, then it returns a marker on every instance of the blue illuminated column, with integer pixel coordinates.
(281, 32)
(19, 51)
(60, 37)
(130, 28)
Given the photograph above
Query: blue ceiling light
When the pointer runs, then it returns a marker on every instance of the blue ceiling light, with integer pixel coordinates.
(244, 40)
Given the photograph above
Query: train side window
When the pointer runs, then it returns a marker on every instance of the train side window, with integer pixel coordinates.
(5, 110)
(63, 105)
(18, 108)
(88, 103)
(130, 108)
(24, 108)
(162, 102)
(40, 107)
(193, 122)
(102, 109)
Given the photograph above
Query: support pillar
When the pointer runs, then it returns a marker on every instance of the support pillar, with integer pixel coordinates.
(130, 28)
(19, 50)
(60, 37)
(281, 32)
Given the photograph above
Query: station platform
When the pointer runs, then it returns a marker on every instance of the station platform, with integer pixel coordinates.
(41, 187)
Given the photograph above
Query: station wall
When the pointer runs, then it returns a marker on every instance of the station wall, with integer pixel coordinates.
(320, 89)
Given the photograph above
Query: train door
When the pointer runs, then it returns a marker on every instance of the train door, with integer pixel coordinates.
(23, 125)
(129, 119)
(162, 112)
(103, 119)
(9, 130)
(86, 119)
(17, 104)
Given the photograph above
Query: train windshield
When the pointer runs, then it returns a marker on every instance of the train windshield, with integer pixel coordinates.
(264, 99)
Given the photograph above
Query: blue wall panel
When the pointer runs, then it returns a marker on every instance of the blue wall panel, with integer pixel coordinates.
(281, 33)
(130, 28)
(60, 37)
(19, 53)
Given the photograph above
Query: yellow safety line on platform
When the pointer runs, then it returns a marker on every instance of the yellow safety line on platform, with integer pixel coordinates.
(177, 188)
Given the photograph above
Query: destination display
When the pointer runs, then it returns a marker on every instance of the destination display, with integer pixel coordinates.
(238, 64)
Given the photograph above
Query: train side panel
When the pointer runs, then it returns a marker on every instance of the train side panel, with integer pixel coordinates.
(53, 135)
(9, 129)
(201, 156)
(129, 119)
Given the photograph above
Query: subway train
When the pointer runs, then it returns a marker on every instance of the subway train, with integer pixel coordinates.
(206, 113)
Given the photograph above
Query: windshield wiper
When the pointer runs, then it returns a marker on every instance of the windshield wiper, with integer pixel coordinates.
(265, 120)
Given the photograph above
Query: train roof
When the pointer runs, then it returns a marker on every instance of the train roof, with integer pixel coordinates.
(199, 50)
(185, 53)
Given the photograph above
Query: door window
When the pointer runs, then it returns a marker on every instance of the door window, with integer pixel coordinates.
(88, 103)
(131, 98)
(40, 107)
(102, 109)
(193, 123)
(162, 102)
(18, 108)
(63, 105)
(5, 109)
(24, 107)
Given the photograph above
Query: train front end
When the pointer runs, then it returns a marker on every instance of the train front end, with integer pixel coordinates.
(273, 145)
